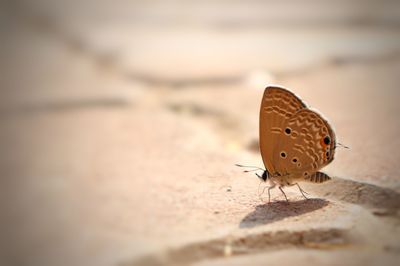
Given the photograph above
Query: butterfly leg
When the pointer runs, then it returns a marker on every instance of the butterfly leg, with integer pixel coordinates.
(269, 192)
(280, 188)
(302, 191)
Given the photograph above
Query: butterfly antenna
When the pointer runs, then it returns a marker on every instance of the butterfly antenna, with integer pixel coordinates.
(343, 146)
(256, 168)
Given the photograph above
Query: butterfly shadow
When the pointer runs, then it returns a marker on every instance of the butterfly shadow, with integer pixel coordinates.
(278, 210)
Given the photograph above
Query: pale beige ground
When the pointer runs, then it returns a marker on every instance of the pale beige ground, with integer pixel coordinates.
(120, 131)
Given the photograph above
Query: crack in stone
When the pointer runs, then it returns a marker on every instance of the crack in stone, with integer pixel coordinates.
(184, 83)
(47, 26)
(340, 61)
(66, 106)
(192, 83)
(329, 238)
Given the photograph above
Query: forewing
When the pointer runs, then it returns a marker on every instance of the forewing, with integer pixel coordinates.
(277, 107)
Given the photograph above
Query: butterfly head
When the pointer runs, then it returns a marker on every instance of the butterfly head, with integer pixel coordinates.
(264, 176)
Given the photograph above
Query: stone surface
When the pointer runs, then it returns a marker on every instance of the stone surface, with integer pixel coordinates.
(119, 136)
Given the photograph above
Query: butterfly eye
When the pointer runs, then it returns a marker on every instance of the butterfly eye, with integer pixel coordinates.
(327, 140)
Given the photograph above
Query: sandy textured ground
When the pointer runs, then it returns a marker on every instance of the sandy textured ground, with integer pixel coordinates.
(121, 127)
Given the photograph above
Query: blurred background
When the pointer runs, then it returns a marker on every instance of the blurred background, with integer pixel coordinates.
(122, 120)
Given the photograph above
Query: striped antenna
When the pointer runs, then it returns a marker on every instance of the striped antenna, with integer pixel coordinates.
(256, 168)
(343, 146)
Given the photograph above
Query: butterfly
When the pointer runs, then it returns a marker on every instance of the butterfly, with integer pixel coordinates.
(295, 141)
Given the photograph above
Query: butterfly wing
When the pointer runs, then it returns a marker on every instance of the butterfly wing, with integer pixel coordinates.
(277, 107)
(308, 142)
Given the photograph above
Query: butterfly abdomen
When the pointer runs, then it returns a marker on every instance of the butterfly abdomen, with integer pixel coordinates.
(318, 177)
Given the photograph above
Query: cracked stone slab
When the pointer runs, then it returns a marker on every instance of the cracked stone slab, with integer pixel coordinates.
(333, 226)
(105, 165)
(299, 256)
